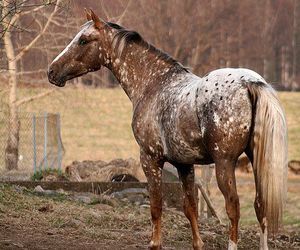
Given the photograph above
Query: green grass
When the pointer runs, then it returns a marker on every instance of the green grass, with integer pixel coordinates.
(96, 123)
(38, 175)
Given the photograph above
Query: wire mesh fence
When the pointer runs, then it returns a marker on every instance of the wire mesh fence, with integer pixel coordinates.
(40, 145)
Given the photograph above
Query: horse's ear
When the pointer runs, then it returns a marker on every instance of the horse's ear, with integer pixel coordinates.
(88, 15)
(98, 23)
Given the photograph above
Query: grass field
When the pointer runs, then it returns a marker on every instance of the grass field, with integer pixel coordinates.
(96, 122)
(291, 103)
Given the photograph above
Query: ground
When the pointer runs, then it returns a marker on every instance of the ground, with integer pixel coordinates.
(32, 221)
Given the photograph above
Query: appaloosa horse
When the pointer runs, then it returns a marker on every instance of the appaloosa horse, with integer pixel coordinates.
(183, 119)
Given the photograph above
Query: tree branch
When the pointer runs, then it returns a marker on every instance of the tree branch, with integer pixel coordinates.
(32, 98)
(17, 16)
(207, 199)
(105, 11)
(124, 12)
(21, 53)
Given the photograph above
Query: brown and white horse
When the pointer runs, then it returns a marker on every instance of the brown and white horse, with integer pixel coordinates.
(184, 119)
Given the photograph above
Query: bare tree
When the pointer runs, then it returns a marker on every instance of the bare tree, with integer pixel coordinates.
(11, 13)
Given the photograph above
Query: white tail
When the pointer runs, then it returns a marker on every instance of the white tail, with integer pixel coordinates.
(269, 152)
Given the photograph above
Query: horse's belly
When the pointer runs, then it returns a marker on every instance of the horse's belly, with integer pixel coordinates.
(182, 138)
(185, 154)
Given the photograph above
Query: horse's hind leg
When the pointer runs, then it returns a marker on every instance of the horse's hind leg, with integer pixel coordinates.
(187, 176)
(227, 184)
(153, 170)
(259, 209)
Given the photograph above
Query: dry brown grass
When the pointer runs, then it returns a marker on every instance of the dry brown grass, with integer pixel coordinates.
(41, 222)
(291, 103)
(95, 122)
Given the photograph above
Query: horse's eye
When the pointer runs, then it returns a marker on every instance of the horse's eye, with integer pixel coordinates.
(82, 42)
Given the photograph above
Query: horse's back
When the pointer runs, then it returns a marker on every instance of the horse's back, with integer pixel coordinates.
(237, 74)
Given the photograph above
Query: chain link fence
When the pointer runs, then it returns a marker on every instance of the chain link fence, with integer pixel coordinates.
(40, 144)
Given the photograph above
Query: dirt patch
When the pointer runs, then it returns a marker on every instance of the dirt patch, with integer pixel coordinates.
(294, 167)
(28, 221)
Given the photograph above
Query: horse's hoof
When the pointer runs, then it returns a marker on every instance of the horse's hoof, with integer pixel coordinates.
(232, 245)
(198, 246)
(154, 246)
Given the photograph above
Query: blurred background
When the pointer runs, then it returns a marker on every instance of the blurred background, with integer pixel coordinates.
(203, 35)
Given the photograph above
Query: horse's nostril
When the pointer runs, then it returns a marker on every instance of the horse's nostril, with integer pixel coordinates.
(50, 72)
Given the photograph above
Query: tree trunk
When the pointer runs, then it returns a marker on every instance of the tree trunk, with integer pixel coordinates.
(11, 150)
(283, 80)
(277, 65)
(267, 69)
(296, 45)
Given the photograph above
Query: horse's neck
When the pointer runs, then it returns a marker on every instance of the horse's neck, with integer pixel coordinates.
(141, 69)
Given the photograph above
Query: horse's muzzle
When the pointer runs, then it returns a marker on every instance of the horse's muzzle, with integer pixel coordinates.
(54, 79)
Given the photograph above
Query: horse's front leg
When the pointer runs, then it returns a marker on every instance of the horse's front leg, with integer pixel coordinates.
(153, 171)
(187, 176)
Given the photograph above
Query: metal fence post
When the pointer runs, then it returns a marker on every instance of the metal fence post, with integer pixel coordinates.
(45, 140)
(59, 146)
(34, 142)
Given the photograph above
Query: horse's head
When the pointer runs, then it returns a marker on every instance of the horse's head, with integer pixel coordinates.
(82, 55)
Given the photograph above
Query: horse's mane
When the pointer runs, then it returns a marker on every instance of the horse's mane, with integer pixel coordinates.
(124, 37)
